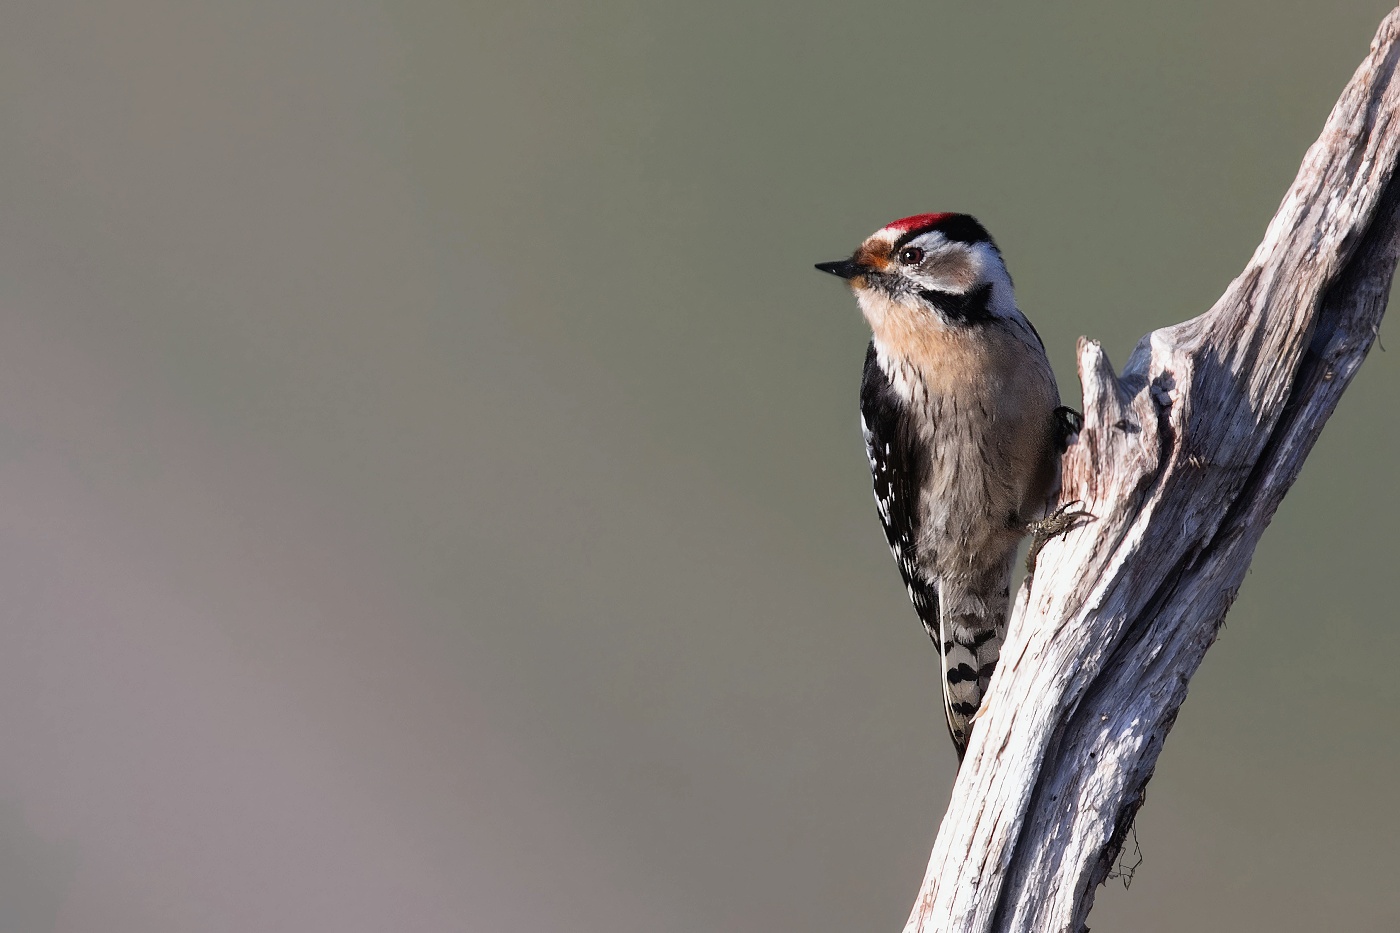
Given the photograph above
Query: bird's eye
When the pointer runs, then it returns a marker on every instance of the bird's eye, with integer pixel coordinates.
(911, 255)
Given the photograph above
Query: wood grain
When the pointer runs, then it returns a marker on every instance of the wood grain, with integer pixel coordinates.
(1182, 461)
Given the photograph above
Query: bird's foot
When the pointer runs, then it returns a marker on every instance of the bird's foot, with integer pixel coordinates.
(1064, 519)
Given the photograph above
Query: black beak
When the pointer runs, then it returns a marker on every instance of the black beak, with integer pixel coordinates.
(845, 268)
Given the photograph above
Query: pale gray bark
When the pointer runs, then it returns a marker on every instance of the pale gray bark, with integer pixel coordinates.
(1182, 461)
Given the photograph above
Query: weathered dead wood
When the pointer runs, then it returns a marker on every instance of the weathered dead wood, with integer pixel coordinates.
(1182, 461)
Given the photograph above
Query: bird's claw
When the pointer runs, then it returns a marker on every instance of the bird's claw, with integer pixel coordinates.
(1062, 520)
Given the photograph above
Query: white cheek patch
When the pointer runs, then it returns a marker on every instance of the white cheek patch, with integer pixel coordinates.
(966, 266)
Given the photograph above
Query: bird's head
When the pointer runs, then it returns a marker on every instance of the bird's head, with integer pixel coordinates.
(943, 267)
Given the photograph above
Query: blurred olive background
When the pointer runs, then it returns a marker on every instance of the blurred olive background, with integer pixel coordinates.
(433, 493)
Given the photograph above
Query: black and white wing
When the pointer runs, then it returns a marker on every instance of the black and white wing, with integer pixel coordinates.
(897, 468)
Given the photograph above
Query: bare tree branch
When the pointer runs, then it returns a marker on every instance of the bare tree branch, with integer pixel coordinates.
(1182, 461)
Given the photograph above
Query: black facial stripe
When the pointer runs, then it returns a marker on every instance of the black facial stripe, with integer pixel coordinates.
(971, 307)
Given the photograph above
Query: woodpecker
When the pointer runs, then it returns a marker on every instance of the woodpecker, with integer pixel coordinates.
(964, 430)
